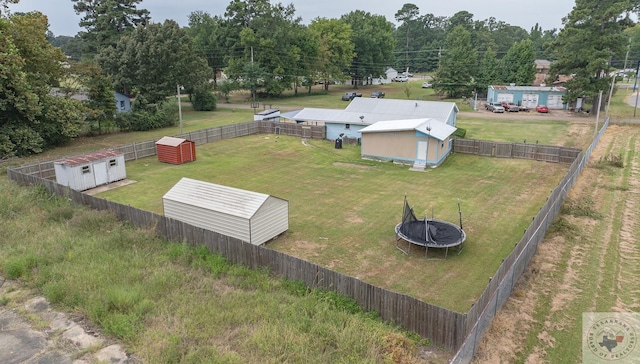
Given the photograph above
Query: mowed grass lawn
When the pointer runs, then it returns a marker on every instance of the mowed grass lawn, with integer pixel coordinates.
(343, 210)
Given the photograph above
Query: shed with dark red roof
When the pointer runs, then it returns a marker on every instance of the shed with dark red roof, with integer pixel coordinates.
(175, 150)
(90, 170)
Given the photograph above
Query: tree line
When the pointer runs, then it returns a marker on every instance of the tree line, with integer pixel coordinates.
(265, 48)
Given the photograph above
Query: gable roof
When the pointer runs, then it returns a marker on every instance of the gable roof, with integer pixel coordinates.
(367, 111)
(88, 158)
(171, 141)
(431, 127)
(211, 196)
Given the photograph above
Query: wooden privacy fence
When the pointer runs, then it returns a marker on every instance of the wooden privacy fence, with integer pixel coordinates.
(455, 331)
(148, 148)
(503, 281)
(537, 152)
(444, 327)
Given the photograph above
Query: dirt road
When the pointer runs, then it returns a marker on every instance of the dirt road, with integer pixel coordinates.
(589, 264)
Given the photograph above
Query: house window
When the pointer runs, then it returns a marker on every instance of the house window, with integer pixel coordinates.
(86, 169)
(121, 104)
(347, 126)
(112, 163)
(442, 146)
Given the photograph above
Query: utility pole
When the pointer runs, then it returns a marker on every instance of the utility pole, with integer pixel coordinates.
(595, 131)
(179, 108)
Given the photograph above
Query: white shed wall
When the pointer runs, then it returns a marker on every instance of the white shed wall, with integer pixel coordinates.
(73, 177)
(271, 220)
(229, 225)
(99, 172)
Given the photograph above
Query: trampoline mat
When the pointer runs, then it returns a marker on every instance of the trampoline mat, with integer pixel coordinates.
(440, 232)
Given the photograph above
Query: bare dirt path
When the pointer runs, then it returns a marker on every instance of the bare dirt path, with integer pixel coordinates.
(591, 263)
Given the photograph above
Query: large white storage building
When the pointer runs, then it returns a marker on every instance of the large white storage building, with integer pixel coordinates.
(90, 170)
(249, 216)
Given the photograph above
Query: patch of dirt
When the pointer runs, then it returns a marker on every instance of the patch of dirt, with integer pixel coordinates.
(352, 165)
(603, 258)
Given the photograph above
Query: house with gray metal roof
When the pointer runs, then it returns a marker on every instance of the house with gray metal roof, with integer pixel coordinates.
(529, 96)
(362, 112)
(421, 142)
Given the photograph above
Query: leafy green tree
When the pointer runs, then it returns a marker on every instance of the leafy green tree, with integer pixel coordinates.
(208, 34)
(593, 33)
(101, 106)
(271, 39)
(518, 65)
(203, 98)
(488, 73)
(30, 118)
(455, 73)
(106, 21)
(374, 44)
(153, 60)
(406, 15)
(335, 49)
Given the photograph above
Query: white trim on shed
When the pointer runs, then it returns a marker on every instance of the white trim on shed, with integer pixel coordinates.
(249, 216)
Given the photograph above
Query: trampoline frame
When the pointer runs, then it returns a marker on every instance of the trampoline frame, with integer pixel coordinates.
(458, 244)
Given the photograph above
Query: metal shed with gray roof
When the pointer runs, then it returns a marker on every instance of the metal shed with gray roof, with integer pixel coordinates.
(245, 215)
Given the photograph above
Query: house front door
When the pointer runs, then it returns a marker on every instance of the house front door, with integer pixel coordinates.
(421, 154)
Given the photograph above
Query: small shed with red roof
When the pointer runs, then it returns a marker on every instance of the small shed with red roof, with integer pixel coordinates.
(90, 170)
(175, 150)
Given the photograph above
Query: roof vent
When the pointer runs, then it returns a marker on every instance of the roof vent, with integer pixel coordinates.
(416, 104)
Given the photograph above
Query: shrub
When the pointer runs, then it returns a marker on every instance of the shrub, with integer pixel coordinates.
(203, 98)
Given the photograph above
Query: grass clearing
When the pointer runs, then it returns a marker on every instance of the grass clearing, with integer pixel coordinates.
(167, 302)
(343, 209)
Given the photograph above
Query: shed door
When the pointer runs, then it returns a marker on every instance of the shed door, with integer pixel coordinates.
(421, 155)
(101, 173)
(530, 100)
(554, 101)
(505, 98)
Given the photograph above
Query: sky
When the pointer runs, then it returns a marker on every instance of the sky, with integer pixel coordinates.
(547, 13)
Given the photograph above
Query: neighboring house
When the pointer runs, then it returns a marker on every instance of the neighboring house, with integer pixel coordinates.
(529, 96)
(267, 115)
(422, 142)
(123, 102)
(542, 71)
(362, 112)
(390, 75)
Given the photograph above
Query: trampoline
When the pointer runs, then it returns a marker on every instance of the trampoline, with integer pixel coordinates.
(429, 233)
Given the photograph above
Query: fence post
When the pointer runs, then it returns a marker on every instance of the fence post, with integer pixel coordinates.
(135, 151)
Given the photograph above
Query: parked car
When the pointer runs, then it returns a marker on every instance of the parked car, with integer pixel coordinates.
(377, 95)
(400, 79)
(350, 96)
(407, 74)
(426, 85)
(494, 107)
(542, 109)
(523, 108)
(510, 107)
